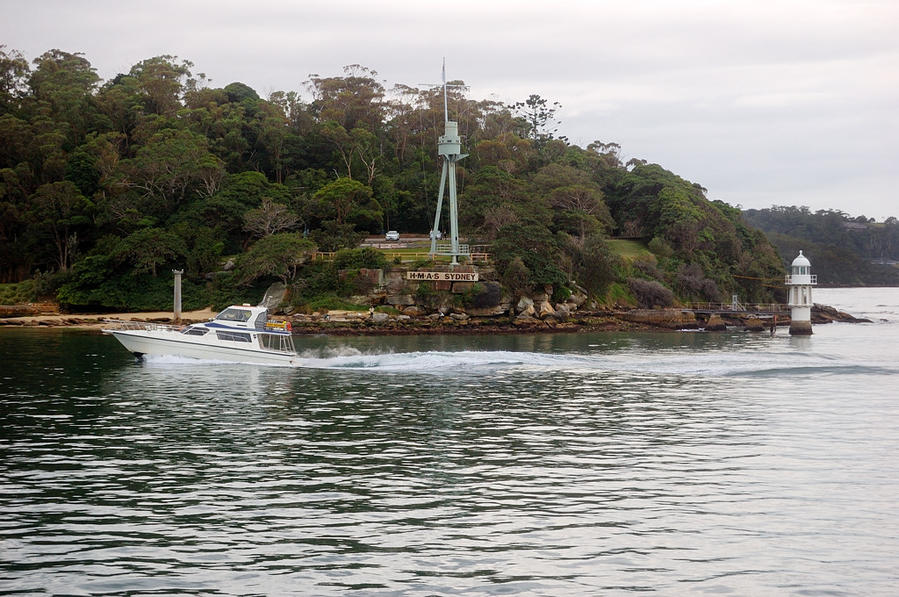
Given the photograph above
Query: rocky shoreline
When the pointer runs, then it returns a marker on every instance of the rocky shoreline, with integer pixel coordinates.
(358, 323)
(461, 300)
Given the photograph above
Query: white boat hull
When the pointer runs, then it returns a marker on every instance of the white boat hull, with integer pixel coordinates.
(172, 343)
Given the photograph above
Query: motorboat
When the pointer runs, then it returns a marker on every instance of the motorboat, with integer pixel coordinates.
(240, 333)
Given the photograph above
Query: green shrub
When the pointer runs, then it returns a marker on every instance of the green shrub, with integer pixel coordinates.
(619, 294)
(315, 279)
(365, 257)
(332, 302)
(560, 294)
(131, 292)
(425, 291)
(660, 247)
(482, 295)
(598, 265)
(650, 293)
(517, 277)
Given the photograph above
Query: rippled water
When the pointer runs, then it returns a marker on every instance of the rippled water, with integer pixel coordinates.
(572, 464)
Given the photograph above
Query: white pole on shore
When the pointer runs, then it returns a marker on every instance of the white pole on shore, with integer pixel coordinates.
(177, 272)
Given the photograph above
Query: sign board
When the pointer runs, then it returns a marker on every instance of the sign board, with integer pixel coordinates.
(442, 276)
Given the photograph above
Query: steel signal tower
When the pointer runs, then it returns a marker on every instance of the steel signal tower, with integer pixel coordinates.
(449, 146)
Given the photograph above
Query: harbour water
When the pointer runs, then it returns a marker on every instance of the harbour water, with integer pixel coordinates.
(573, 464)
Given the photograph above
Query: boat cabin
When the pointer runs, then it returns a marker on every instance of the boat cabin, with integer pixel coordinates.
(229, 326)
(244, 316)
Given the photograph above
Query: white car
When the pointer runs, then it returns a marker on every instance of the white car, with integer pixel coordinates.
(392, 235)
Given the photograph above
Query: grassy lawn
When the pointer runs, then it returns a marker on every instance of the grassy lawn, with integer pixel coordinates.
(413, 252)
(628, 249)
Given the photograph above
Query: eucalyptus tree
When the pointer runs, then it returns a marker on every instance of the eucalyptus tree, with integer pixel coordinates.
(172, 165)
(58, 211)
(14, 71)
(163, 82)
(354, 100)
(62, 85)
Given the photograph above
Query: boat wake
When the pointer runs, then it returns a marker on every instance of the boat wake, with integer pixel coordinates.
(467, 361)
(673, 362)
(470, 362)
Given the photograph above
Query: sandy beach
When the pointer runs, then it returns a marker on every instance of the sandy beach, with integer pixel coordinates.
(95, 321)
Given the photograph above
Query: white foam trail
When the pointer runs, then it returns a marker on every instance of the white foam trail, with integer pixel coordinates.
(168, 359)
(651, 363)
(470, 362)
(442, 362)
(157, 360)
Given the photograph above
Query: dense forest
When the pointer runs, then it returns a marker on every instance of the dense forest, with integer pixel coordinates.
(107, 185)
(846, 250)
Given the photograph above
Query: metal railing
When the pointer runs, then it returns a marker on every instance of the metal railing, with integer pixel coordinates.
(446, 248)
(407, 256)
(738, 308)
(121, 324)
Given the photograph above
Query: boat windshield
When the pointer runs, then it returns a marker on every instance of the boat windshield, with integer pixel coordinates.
(234, 314)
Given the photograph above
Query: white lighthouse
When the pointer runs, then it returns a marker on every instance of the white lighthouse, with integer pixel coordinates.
(800, 282)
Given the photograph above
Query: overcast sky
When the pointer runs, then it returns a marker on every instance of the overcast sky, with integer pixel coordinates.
(760, 101)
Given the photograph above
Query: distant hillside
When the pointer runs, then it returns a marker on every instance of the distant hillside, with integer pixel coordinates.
(844, 251)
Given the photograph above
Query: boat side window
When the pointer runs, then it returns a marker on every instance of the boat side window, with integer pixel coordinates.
(232, 314)
(195, 331)
(232, 336)
(259, 323)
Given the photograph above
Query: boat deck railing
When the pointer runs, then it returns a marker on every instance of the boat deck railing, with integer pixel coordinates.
(121, 324)
(277, 342)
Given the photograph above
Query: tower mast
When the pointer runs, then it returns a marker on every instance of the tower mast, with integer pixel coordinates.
(449, 146)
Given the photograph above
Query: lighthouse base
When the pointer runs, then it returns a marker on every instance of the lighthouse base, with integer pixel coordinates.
(800, 328)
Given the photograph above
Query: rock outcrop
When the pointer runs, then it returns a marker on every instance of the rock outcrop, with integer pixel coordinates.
(715, 323)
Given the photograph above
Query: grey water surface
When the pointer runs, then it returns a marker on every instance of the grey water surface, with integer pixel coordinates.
(571, 464)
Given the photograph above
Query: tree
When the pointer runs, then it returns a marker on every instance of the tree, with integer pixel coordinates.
(60, 209)
(507, 152)
(584, 205)
(269, 218)
(609, 153)
(333, 236)
(354, 100)
(536, 247)
(537, 115)
(15, 261)
(238, 92)
(342, 197)
(163, 81)
(277, 255)
(172, 164)
(18, 141)
(149, 248)
(272, 134)
(596, 268)
(14, 71)
(63, 86)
